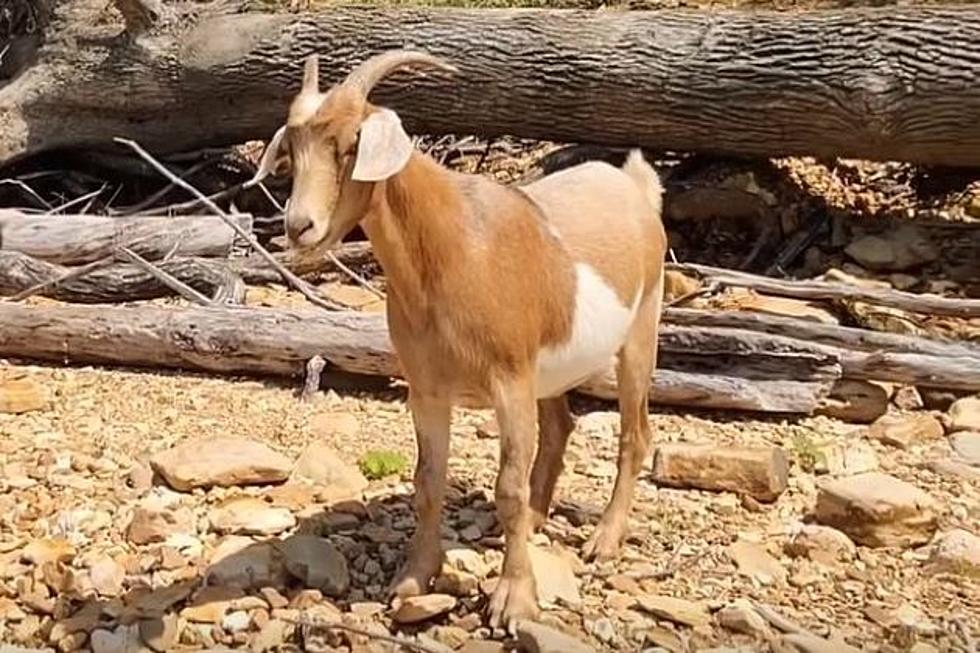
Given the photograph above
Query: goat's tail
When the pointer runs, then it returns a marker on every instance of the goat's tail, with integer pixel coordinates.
(643, 174)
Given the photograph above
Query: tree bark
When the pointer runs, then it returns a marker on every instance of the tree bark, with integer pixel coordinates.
(78, 239)
(116, 281)
(892, 83)
(279, 343)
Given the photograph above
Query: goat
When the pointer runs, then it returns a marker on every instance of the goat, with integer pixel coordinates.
(497, 296)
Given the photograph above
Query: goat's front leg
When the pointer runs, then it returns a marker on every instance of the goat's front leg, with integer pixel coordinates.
(431, 415)
(515, 596)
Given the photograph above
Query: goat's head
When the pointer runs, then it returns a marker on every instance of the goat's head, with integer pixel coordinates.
(338, 145)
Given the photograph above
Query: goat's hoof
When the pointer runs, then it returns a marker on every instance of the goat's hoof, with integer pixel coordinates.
(605, 543)
(410, 581)
(512, 600)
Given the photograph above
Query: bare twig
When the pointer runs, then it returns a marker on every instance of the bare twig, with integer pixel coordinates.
(272, 200)
(77, 200)
(290, 278)
(361, 281)
(190, 204)
(152, 199)
(308, 623)
(166, 279)
(28, 190)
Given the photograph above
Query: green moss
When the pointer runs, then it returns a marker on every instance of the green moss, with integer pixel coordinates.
(379, 463)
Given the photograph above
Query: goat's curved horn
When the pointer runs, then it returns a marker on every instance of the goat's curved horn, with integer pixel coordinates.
(311, 75)
(374, 69)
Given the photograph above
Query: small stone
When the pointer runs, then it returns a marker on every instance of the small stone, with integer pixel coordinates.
(451, 636)
(220, 461)
(271, 636)
(330, 425)
(966, 444)
(754, 561)
(467, 560)
(854, 400)
(322, 465)
(471, 533)
(210, 604)
(679, 611)
(161, 633)
(273, 597)
(482, 646)
(316, 562)
(456, 582)
(821, 544)
(40, 552)
(537, 638)
(964, 414)
(957, 551)
(236, 622)
(895, 251)
(955, 469)
(903, 431)
(20, 395)
(107, 576)
(877, 510)
(740, 617)
(248, 515)
(908, 397)
(294, 496)
(760, 472)
(555, 578)
(602, 629)
(414, 609)
(124, 639)
(156, 525)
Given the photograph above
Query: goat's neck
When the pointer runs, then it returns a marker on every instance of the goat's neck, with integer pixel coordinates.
(414, 225)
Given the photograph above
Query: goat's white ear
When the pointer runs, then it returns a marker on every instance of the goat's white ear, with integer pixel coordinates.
(384, 147)
(267, 164)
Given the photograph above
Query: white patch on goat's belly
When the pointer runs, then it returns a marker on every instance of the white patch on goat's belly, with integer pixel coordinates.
(600, 324)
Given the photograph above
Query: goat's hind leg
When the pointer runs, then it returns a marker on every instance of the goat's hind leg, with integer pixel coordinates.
(431, 415)
(636, 361)
(555, 424)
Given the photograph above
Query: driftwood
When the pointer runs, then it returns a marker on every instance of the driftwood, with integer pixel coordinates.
(114, 281)
(78, 239)
(757, 83)
(932, 304)
(279, 343)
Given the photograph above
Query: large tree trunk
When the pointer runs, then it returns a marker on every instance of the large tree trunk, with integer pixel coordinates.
(881, 83)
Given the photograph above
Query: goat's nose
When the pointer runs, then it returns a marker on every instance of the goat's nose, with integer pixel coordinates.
(297, 225)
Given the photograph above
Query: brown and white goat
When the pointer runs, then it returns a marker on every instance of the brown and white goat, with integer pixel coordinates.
(497, 296)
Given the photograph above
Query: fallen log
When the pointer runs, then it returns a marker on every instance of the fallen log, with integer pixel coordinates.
(757, 83)
(826, 334)
(78, 239)
(809, 289)
(279, 343)
(113, 281)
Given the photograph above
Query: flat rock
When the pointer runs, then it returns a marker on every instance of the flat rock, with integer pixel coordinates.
(877, 510)
(107, 576)
(220, 462)
(316, 562)
(846, 458)
(250, 516)
(759, 472)
(243, 563)
(966, 444)
(414, 609)
(468, 560)
(533, 637)
(150, 525)
(321, 464)
(20, 395)
(955, 469)
(903, 431)
(754, 561)
(740, 617)
(554, 576)
(957, 551)
(900, 249)
(679, 611)
(964, 414)
(854, 400)
(821, 544)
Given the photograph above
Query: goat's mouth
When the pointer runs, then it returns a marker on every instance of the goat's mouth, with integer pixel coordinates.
(313, 238)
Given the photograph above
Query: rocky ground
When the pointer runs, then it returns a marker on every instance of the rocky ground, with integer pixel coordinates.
(143, 511)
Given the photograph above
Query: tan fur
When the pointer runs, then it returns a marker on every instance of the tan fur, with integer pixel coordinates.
(481, 280)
